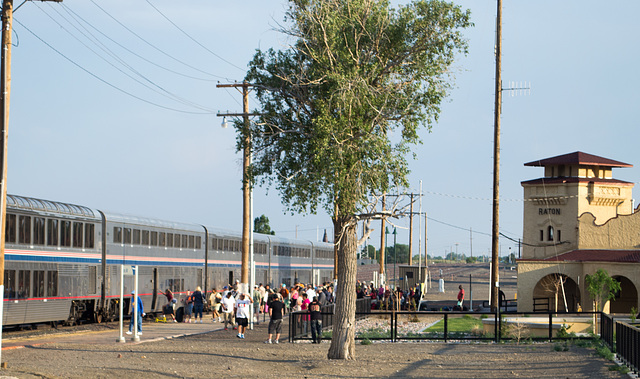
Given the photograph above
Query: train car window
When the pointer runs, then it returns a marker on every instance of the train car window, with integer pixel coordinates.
(185, 241)
(154, 238)
(212, 243)
(127, 235)
(78, 234)
(24, 229)
(117, 234)
(176, 240)
(162, 240)
(65, 233)
(24, 284)
(52, 283)
(225, 245)
(136, 236)
(52, 232)
(10, 229)
(38, 282)
(93, 282)
(198, 242)
(38, 230)
(89, 235)
(169, 239)
(145, 238)
(192, 242)
(9, 284)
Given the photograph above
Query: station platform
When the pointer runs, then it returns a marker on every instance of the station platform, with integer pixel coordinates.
(109, 333)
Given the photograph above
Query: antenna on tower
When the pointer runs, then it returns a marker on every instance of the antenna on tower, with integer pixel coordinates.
(518, 89)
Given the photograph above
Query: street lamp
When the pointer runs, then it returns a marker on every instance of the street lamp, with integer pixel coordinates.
(386, 238)
(395, 256)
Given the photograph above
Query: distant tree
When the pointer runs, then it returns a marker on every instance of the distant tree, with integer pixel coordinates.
(601, 287)
(261, 225)
(401, 258)
(471, 259)
(340, 108)
(369, 251)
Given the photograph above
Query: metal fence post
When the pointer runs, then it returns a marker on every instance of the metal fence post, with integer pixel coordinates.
(446, 326)
(550, 327)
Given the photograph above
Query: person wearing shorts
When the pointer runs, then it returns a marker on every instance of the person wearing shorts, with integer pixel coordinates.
(242, 313)
(276, 309)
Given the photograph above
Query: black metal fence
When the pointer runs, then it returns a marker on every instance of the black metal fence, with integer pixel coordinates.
(445, 326)
(299, 323)
(628, 344)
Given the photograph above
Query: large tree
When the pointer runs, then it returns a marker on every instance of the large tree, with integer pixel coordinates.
(340, 109)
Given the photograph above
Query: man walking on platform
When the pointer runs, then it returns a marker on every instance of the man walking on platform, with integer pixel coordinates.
(276, 309)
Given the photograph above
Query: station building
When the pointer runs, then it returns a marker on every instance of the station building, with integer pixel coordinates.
(577, 219)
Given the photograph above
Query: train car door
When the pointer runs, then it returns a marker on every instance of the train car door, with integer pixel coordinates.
(230, 277)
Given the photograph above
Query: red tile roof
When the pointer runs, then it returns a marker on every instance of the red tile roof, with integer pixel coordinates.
(563, 180)
(578, 158)
(631, 256)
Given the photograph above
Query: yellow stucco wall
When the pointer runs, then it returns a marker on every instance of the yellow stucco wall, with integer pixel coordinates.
(622, 232)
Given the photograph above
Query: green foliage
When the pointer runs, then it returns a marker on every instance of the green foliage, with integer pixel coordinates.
(402, 257)
(261, 225)
(620, 368)
(366, 341)
(463, 324)
(471, 259)
(342, 105)
(604, 352)
(563, 332)
(601, 287)
(634, 314)
(564, 346)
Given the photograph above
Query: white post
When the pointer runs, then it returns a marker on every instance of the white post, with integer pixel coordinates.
(252, 268)
(121, 338)
(136, 337)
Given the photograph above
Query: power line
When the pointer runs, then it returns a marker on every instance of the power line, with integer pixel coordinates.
(104, 48)
(133, 52)
(102, 80)
(155, 47)
(193, 39)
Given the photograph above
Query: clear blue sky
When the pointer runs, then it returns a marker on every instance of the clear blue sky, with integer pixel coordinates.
(83, 131)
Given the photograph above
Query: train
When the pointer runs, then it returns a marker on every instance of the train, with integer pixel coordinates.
(63, 261)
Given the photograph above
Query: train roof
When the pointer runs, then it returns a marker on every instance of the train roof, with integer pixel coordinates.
(114, 217)
(266, 238)
(34, 204)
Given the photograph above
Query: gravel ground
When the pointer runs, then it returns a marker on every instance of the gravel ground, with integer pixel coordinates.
(221, 354)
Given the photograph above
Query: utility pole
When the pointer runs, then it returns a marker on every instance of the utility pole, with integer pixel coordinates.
(247, 235)
(495, 236)
(411, 231)
(5, 91)
(382, 240)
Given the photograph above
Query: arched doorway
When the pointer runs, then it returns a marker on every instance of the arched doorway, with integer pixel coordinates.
(549, 294)
(626, 298)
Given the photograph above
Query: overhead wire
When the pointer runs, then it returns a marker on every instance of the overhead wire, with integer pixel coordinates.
(155, 47)
(160, 90)
(99, 78)
(69, 10)
(193, 39)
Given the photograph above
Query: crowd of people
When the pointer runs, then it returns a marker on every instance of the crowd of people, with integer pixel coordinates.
(232, 307)
(386, 298)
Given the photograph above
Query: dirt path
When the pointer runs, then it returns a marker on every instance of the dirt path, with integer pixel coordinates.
(222, 354)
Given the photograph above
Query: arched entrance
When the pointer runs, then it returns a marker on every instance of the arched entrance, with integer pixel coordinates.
(549, 294)
(626, 298)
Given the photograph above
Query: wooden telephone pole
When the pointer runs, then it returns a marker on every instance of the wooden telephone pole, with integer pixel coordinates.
(495, 231)
(247, 235)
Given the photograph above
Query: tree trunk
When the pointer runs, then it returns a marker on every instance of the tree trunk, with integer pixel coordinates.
(343, 339)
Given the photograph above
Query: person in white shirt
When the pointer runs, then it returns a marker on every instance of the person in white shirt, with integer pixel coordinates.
(228, 306)
(242, 313)
(311, 294)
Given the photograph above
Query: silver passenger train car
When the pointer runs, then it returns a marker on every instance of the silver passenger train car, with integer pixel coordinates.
(62, 261)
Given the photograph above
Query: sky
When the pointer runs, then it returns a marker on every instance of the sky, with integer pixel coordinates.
(114, 103)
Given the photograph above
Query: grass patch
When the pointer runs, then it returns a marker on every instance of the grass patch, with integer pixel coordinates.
(465, 324)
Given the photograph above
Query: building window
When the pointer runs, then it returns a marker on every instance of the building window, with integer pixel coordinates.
(550, 233)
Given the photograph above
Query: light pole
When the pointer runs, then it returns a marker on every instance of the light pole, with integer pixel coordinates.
(395, 258)
(386, 234)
